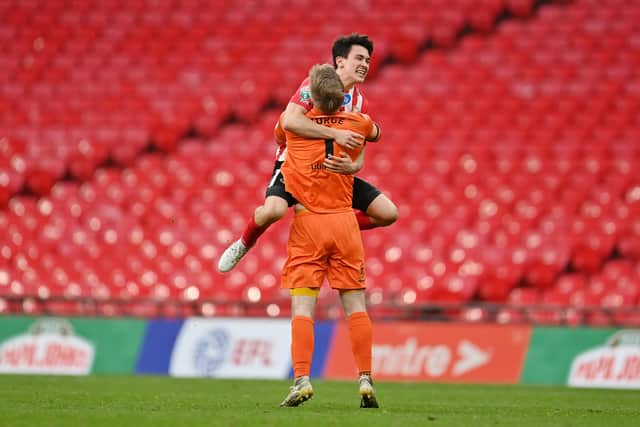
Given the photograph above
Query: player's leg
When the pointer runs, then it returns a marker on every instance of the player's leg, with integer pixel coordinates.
(272, 210)
(303, 274)
(303, 303)
(382, 211)
(360, 329)
(375, 209)
(361, 337)
(347, 274)
(275, 206)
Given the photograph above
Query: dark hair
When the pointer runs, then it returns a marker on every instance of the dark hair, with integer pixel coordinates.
(327, 90)
(342, 45)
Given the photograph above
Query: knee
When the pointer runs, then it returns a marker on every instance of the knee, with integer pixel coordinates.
(303, 306)
(393, 215)
(383, 211)
(274, 212)
(271, 211)
(353, 302)
(388, 216)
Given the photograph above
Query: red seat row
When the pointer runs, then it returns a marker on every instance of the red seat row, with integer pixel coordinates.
(516, 185)
(85, 84)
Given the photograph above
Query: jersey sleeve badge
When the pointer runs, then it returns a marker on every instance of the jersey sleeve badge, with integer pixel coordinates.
(305, 94)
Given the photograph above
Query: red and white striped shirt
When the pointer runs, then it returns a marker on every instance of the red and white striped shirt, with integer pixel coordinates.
(354, 101)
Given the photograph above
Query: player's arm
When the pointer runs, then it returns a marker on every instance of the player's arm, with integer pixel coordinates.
(375, 134)
(278, 132)
(294, 120)
(343, 163)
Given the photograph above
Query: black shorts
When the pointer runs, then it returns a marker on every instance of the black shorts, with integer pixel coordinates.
(363, 192)
(276, 185)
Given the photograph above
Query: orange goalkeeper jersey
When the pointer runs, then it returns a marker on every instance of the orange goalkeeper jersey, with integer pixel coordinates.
(305, 176)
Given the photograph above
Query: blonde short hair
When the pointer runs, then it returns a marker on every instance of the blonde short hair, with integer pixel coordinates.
(327, 90)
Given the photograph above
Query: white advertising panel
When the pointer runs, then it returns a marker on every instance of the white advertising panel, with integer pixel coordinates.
(607, 367)
(232, 348)
(48, 347)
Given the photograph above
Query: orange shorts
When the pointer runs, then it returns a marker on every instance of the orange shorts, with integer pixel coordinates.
(324, 245)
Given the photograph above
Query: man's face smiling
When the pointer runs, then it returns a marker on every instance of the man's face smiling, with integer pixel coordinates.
(354, 68)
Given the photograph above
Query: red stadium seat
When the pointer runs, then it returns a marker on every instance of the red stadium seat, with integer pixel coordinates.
(518, 157)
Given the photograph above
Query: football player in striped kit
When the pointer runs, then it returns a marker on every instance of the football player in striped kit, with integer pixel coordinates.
(351, 59)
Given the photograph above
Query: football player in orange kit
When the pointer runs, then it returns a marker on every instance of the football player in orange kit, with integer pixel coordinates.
(351, 57)
(325, 239)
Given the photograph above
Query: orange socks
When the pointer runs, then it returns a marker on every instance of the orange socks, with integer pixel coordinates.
(360, 332)
(302, 345)
(302, 341)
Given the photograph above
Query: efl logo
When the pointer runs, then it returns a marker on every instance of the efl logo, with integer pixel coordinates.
(216, 349)
(211, 351)
(226, 348)
(252, 352)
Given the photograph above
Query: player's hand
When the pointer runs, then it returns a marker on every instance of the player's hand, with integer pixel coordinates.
(341, 164)
(348, 139)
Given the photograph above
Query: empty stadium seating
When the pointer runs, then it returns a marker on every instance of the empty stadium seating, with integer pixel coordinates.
(134, 147)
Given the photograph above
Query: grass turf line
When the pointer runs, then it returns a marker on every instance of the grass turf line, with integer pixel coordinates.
(163, 401)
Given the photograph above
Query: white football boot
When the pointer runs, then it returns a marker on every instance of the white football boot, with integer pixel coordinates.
(232, 256)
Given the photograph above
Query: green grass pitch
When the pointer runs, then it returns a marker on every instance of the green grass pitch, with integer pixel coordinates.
(163, 401)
